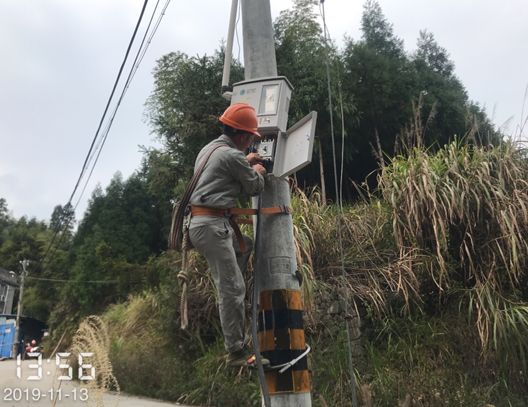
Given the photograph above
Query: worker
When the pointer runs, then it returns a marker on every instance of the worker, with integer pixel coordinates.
(227, 174)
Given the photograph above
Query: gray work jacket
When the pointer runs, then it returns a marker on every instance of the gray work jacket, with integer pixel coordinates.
(226, 176)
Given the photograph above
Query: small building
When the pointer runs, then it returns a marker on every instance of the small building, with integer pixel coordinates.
(8, 285)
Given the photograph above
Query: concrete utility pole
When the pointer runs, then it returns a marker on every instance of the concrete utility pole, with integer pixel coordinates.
(280, 304)
(24, 264)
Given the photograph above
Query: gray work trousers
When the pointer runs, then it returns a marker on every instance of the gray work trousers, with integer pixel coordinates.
(214, 238)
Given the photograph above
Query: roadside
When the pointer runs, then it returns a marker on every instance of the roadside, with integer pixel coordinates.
(45, 391)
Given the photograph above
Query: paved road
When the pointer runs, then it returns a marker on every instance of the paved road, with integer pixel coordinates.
(21, 392)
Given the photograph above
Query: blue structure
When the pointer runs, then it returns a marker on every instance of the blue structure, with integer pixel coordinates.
(7, 338)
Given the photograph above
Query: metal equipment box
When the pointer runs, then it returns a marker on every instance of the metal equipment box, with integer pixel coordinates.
(271, 99)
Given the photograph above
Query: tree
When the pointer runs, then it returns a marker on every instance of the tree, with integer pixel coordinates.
(443, 95)
(433, 56)
(121, 229)
(4, 215)
(25, 239)
(379, 77)
(185, 105)
(157, 170)
(63, 219)
(4, 220)
(378, 33)
(302, 55)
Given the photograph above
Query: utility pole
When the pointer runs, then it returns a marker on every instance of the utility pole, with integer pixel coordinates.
(24, 264)
(281, 331)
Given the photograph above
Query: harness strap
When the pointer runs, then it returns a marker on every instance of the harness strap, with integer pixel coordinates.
(176, 236)
(276, 210)
(238, 234)
(208, 211)
(233, 215)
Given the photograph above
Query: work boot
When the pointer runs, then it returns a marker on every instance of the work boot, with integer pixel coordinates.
(244, 357)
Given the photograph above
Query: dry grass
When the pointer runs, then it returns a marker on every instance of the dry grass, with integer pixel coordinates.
(92, 336)
(374, 269)
(467, 207)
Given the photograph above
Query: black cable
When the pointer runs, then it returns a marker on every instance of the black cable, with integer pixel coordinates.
(83, 169)
(133, 70)
(60, 280)
(256, 347)
(137, 60)
(109, 99)
(135, 65)
(131, 74)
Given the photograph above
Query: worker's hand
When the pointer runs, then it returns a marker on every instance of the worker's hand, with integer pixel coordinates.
(254, 158)
(259, 168)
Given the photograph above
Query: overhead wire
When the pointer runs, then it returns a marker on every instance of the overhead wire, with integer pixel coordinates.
(116, 82)
(91, 152)
(339, 199)
(73, 281)
(135, 65)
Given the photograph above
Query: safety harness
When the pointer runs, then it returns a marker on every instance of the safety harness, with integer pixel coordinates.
(233, 216)
(179, 239)
(179, 233)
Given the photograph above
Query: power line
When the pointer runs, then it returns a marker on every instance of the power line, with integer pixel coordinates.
(139, 57)
(83, 169)
(142, 49)
(109, 99)
(137, 61)
(74, 281)
(131, 74)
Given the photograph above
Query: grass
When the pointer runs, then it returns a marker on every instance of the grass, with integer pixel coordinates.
(466, 207)
(92, 336)
(435, 271)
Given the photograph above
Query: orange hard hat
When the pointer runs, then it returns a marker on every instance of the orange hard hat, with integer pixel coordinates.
(241, 116)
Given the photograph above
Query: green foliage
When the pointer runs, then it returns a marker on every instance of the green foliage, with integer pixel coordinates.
(147, 362)
(445, 234)
(4, 219)
(379, 78)
(120, 231)
(29, 239)
(466, 207)
(430, 361)
(23, 239)
(302, 56)
(378, 33)
(63, 218)
(374, 85)
(385, 84)
(185, 105)
(161, 181)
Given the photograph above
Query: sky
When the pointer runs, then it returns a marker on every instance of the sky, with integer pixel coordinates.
(59, 60)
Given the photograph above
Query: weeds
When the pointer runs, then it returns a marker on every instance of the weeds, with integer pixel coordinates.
(435, 264)
(466, 206)
(92, 336)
